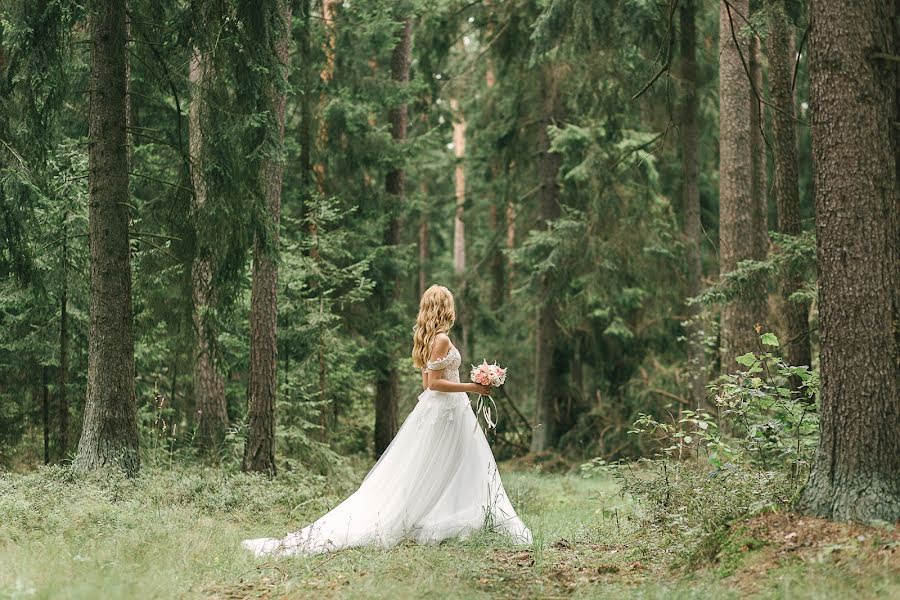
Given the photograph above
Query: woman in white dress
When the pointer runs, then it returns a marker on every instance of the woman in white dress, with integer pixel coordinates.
(437, 479)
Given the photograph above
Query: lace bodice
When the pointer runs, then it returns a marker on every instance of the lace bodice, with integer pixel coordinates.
(447, 366)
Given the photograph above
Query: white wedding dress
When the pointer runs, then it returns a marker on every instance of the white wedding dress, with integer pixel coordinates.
(437, 480)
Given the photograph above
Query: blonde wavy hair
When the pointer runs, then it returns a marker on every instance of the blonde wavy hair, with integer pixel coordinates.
(437, 314)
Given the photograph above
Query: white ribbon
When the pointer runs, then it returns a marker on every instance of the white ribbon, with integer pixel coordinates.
(485, 410)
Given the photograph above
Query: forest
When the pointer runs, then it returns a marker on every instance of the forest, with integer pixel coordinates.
(675, 222)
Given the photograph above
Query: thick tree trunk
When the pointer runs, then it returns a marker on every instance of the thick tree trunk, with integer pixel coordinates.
(209, 385)
(738, 206)
(395, 184)
(109, 434)
(856, 473)
(787, 193)
(545, 434)
(259, 451)
(690, 146)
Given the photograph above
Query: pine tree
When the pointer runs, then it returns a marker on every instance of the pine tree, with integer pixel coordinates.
(546, 433)
(690, 146)
(395, 185)
(259, 451)
(787, 193)
(739, 185)
(109, 435)
(856, 473)
(209, 385)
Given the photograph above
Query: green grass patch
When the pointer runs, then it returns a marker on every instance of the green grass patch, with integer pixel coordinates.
(176, 534)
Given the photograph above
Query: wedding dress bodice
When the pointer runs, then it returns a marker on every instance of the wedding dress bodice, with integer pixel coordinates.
(447, 366)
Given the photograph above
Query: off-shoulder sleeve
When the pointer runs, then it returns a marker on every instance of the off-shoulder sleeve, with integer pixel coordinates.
(441, 364)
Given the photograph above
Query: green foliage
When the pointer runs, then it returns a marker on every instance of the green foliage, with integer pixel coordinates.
(610, 265)
(792, 254)
(750, 455)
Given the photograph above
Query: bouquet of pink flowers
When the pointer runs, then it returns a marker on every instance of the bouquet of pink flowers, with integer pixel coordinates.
(490, 375)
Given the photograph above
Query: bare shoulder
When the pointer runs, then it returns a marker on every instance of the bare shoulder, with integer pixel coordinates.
(440, 347)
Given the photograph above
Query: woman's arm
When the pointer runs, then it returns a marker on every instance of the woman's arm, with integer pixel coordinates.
(434, 379)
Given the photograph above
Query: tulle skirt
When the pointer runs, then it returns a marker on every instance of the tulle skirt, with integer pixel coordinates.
(437, 480)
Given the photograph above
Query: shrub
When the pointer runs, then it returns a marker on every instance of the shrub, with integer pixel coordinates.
(750, 453)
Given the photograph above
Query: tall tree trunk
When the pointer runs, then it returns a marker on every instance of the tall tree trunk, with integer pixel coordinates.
(45, 413)
(758, 181)
(459, 225)
(63, 440)
(787, 193)
(209, 385)
(259, 451)
(326, 75)
(306, 113)
(545, 434)
(690, 146)
(738, 207)
(395, 185)
(423, 251)
(109, 434)
(498, 286)
(510, 244)
(498, 275)
(856, 473)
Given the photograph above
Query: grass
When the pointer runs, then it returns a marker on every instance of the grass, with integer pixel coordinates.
(176, 534)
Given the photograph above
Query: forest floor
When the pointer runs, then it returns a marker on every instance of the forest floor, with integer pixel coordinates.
(175, 533)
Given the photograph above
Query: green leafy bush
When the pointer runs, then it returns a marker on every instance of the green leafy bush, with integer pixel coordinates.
(748, 453)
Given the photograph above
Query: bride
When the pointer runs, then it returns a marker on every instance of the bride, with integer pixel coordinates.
(437, 479)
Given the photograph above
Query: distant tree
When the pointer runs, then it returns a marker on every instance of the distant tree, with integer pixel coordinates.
(109, 435)
(856, 473)
(739, 221)
(690, 193)
(795, 313)
(546, 390)
(459, 223)
(386, 420)
(209, 385)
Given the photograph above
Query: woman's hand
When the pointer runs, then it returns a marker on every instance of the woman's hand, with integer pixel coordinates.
(477, 388)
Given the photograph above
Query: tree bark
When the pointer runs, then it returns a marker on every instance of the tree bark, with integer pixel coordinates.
(109, 435)
(690, 146)
(545, 433)
(395, 185)
(423, 251)
(326, 75)
(209, 386)
(738, 199)
(63, 440)
(259, 451)
(787, 193)
(856, 473)
(498, 285)
(45, 414)
(459, 224)
(758, 181)
(510, 244)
